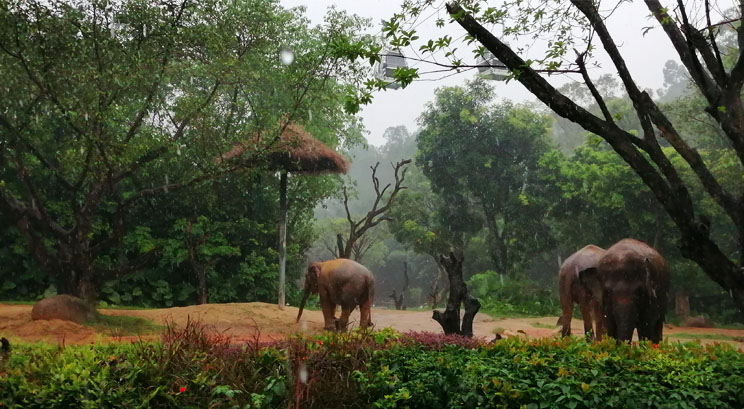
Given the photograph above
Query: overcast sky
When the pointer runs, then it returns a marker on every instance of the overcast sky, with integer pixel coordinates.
(644, 55)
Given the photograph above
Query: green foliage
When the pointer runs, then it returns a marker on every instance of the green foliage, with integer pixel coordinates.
(383, 369)
(114, 123)
(556, 374)
(116, 325)
(502, 296)
(482, 160)
(191, 369)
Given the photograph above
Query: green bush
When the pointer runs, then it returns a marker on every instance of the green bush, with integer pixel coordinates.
(513, 297)
(385, 369)
(556, 374)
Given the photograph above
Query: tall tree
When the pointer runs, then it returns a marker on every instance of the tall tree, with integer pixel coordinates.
(109, 104)
(484, 157)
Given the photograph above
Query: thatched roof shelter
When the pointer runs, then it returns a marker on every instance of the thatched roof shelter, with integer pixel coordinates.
(295, 151)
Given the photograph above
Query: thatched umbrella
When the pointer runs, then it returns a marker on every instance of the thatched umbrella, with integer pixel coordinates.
(296, 151)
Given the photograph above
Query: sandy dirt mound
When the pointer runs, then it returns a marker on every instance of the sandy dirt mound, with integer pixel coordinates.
(249, 321)
(15, 321)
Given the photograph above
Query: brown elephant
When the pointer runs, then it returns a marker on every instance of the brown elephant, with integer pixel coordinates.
(635, 282)
(572, 291)
(341, 282)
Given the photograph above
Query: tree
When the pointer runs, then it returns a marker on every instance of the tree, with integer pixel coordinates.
(483, 158)
(109, 105)
(354, 243)
(581, 25)
(450, 318)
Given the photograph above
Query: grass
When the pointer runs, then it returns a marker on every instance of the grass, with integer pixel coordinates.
(105, 306)
(541, 325)
(123, 325)
(705, 336)
(18, 302)
(730, 326)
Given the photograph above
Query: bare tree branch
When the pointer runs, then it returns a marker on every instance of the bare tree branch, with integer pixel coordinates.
(377, 214)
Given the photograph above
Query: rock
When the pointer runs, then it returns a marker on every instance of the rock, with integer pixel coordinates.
(62, 307)
(699, 321)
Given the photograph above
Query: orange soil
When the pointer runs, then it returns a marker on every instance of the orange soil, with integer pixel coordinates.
(248, 321)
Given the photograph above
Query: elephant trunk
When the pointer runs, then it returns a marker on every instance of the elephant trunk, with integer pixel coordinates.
(625, 320)
(305, 294)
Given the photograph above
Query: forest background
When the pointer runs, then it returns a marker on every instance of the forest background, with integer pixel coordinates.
(120, 171)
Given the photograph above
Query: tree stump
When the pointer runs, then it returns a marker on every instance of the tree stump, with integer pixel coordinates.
(682, 305)
(450, 318)
(399, 300)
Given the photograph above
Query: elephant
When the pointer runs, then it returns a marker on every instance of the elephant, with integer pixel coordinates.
(341, 282)
(572, 291)
(634, 282)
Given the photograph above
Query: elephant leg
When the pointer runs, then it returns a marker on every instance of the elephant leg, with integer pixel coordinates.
(586, 315)
(343, 321)
(608, 317)
(651, 329)
(657, 330)
(566, 315)
(365, 311)
(329, 316)
(599, 321)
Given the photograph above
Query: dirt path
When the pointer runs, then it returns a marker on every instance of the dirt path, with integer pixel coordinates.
(246, 321)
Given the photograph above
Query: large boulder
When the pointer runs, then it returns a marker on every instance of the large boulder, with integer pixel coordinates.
(63, 307)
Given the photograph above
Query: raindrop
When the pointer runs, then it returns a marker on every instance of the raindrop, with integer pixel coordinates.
(303, 372)
(165, 188)
(144, 31)
(286, 56)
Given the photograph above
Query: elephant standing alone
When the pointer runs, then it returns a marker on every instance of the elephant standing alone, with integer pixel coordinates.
(341, 282)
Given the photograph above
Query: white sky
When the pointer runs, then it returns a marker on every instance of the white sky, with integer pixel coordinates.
(644, 55)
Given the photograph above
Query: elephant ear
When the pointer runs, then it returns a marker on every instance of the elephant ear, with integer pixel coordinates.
(311, 278)
(589, 279)
(649, 282)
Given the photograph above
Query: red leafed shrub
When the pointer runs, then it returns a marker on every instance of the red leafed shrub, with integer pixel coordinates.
(437, 341)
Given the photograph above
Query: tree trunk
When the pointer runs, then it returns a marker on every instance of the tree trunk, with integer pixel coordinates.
(682, 306)
(496, 246)
(79, 284)
(199, 270)
(282, 236)
(201, 276)
(397, 300)
(450, 319)
(340, 246)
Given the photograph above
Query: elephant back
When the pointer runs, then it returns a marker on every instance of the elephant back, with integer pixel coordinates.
(585, 258)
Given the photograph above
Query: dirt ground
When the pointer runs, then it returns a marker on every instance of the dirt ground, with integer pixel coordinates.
(248, 321)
